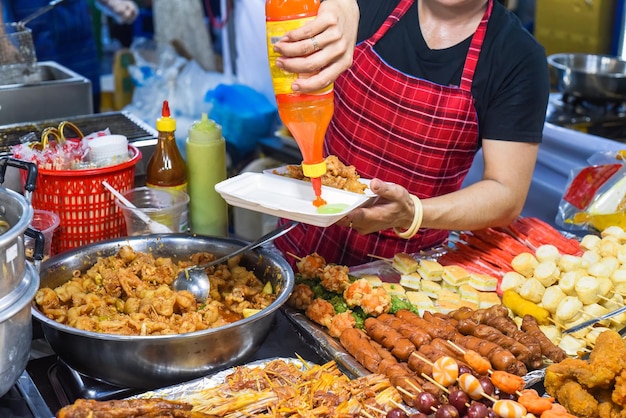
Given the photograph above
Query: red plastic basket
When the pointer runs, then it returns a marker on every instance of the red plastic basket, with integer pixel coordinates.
(87, 210)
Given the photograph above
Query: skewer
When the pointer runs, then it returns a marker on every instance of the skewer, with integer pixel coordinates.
(373, 408)
(588, 315)
(434, 382)
(399, 405)
(555, 322)
(377, 257)
(294, 256)
(424, 359)
(408, 382)
(611, 300)
(406, 392)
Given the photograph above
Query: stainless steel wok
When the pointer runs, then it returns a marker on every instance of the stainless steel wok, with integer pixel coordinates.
(588, 76)
(157, 361)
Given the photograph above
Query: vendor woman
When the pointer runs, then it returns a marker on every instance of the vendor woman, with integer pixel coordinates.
(431, 82)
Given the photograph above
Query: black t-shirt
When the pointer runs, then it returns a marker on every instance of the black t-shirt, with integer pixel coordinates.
(511, 84)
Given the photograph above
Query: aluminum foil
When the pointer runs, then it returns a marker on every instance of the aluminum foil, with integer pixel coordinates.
(189, 389)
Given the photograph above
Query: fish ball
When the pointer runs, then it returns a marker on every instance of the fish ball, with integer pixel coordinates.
(590, 241)
(621, 254)
(603, 268)
(572, 345)
(569, 262)
(511, 280)
(547, 252)
(605, 286)
(591, 257)
(547, 273)
(568, 308)
(524, 264)
(532, 290)
(618, 276)
(568, 280)
(614, 231)
(552, 297)
(608, 248)
(587, 290)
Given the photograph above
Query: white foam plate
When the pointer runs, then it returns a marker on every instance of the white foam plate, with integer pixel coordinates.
(283, 197)
(281, 171)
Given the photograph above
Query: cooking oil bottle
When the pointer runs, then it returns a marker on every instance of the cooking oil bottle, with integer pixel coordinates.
(306, 115)
(167, 169)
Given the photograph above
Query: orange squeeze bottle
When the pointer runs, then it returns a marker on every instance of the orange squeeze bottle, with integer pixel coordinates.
(306, 115)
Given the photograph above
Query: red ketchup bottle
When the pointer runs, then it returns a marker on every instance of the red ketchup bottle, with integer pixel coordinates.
(306, 115)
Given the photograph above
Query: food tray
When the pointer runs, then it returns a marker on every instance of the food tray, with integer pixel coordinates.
(190, 388)
(287, 198)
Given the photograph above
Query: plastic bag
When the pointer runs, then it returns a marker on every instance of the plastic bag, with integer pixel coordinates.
(595, 195)
(245, 116)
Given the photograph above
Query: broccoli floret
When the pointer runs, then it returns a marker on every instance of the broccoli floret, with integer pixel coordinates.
(359, 316)
(339, 303)
(397, 303)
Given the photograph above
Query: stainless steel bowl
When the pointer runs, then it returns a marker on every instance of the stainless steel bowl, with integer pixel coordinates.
(589, 76)
(156, 361)
(15, 328)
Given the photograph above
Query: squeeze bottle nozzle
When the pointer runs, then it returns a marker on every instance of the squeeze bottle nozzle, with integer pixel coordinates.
(166, 123)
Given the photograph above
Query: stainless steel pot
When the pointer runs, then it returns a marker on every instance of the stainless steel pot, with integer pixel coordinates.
(157, 361)
(589, 76)
(18, 212)
(15, 329)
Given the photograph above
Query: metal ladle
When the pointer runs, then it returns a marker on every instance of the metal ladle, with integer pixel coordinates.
(195, 278)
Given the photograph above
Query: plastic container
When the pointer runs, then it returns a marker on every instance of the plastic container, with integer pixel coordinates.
(206, 166)
(163, 206)
(46, 222)
(166, 168)
(305, 115)
(108, 150)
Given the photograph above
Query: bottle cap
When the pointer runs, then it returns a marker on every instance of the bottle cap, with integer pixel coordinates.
(166, 123)
(205, 130)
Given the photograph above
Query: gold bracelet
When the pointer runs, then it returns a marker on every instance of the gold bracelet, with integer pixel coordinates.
(417, 220)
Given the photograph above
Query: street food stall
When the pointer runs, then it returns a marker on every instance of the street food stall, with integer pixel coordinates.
(512, 322)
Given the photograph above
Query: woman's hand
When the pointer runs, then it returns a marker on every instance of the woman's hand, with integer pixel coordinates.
(324, 46)
(394, 208)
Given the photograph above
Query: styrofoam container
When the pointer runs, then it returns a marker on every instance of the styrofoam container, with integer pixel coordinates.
(286, 198)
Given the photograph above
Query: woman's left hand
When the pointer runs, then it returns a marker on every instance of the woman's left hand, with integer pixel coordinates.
(393, 208)
(323, 46)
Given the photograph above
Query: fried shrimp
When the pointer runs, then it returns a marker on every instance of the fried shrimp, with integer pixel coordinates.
(311, 265)
(340, 323)
(335, 278)
(301, 297)
(373, 301)
(320, 311)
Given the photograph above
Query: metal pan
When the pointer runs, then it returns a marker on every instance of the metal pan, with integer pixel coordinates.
(588, 76)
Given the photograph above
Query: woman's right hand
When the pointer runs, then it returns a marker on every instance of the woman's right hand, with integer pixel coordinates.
(323, 46)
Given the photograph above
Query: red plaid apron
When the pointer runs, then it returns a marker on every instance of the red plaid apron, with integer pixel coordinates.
(399, 129)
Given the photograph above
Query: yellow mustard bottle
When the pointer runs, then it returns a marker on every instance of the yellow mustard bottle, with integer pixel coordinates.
(206, 166)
